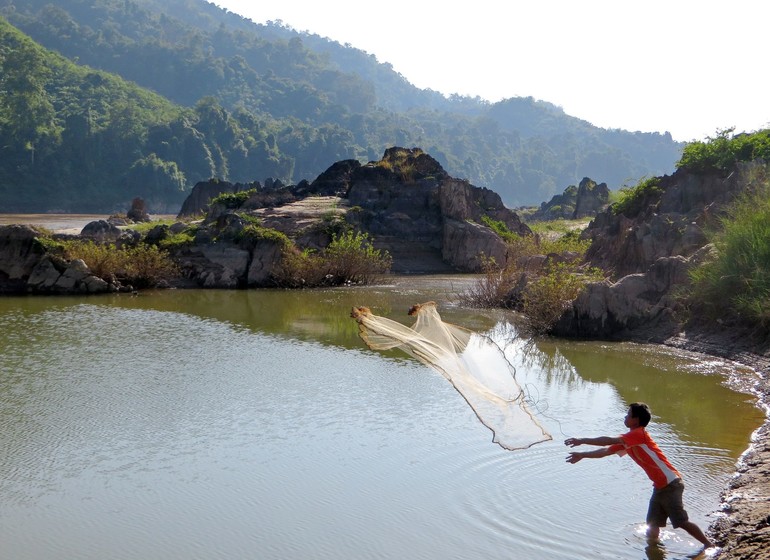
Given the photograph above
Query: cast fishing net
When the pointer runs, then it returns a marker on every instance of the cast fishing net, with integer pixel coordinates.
(473, 363)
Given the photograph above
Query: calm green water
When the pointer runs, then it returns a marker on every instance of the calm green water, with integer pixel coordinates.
(256, 425)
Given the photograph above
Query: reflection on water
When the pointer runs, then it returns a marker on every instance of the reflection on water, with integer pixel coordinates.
(241, 425)
(677, 383)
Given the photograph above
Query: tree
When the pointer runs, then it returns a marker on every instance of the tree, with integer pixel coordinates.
(26, 112)
(156, 180)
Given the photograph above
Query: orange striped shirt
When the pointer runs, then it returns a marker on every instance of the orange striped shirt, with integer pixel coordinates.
(645, 452)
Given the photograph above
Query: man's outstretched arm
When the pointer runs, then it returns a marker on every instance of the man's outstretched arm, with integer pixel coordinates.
(603, 441)
(576, 456)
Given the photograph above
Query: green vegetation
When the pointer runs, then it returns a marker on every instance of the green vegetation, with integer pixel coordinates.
(632, 201)
(554, 236)
(186, 237)
(722, 152)
(402, 163)
(561, 236)
(500, 229)
(349, 258)
(544, 295)
(495, 288)
(185, 92)
(255, 232)
(77, 139)
(232, 200)
(549, 294)
(142, 266)
(299, 269)
(144, 227)
(569, 242)
(333, 223)
(735, 284)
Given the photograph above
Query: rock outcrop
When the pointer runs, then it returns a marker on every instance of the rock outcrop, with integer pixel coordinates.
(585, 200)
(638, 306)
(138, 211)
(647, 255)
(426, 220)
(591, 198)
(26, 267)
(197, 202)
(670, 223)
(408, 199)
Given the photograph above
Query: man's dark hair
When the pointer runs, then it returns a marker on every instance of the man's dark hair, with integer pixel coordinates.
(641, 412)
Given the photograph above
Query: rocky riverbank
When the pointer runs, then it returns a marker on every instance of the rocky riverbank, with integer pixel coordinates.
(743, 529)
(648, 248)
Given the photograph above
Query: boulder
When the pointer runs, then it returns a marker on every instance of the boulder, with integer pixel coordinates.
(101, 231)
(20, 252)
(27, 267)
(228, 264)
(638, 306)
(45, 274)
(466, 244)
(264, 258)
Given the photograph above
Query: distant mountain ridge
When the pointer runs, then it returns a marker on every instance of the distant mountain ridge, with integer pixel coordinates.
(304, 102)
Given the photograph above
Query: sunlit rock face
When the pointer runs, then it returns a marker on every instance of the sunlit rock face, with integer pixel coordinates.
(408, 198)
(410, 207)
(648, 254)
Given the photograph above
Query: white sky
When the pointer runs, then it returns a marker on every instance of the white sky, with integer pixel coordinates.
(690, 67)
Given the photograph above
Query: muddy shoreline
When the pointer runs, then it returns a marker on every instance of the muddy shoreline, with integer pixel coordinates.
(742, 530)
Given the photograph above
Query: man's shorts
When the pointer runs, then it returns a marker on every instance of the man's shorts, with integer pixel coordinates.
(666, 503)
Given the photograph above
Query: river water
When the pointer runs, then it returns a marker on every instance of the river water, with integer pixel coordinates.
(256, 425)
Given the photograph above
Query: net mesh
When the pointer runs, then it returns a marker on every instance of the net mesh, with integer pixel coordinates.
(473, 363)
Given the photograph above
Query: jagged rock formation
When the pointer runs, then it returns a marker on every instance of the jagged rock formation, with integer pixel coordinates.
(647, 255)
(428, 221)
(591, 198)
(409, 204)
(585, 200)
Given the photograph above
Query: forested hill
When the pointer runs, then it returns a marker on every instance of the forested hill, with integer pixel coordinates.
(244, 102)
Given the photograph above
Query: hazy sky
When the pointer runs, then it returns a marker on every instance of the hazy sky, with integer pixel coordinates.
(690, 67)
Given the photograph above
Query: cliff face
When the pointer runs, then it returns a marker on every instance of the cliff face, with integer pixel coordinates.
(670, 224)
(648, 256)
(411, 206)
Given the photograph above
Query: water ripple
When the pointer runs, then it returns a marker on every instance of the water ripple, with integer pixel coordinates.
(131, 433)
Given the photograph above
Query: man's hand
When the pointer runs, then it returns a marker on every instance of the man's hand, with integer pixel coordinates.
(573, 442)
(574, 457)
